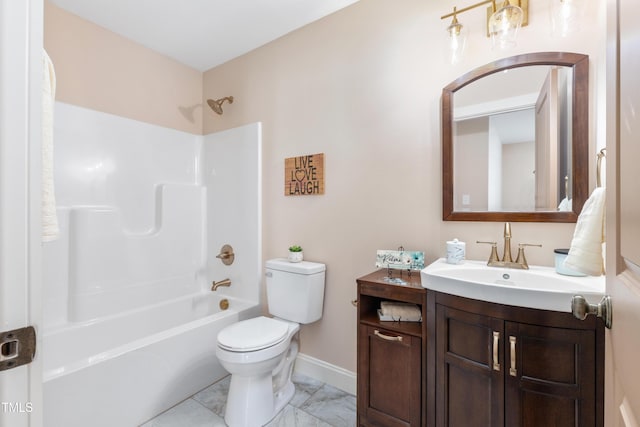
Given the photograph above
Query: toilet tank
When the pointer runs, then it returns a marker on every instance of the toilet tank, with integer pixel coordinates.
(295, 290)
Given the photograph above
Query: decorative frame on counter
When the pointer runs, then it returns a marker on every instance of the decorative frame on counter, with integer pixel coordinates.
(400, 259)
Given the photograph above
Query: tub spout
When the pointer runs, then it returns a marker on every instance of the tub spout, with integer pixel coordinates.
(215, 285)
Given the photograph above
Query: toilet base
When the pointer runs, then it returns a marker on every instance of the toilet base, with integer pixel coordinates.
(256, 404)
(250, 401)
(255, 400)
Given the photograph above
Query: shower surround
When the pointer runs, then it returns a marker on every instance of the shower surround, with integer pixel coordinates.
(130, 322)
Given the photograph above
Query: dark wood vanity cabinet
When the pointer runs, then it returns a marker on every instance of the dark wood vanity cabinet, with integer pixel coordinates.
(391, 355)
(498, 365)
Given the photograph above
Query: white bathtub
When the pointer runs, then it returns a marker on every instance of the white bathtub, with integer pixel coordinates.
(122, 370)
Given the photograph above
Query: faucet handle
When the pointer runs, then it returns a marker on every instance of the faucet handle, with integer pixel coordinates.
(494, 251)
(521, 259)
(522, 245)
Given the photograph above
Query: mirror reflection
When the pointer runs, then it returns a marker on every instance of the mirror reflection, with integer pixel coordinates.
(512, 141)
(515, 140)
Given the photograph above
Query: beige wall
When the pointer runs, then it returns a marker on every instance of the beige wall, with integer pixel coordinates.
(98, 69)
(363, 86)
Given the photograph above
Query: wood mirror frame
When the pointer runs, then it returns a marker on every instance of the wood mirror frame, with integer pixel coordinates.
(579, 144)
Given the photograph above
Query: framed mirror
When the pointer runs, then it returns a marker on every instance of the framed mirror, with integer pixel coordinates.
(515, 140)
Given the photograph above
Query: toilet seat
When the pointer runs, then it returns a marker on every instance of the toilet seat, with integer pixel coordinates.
(253, 334)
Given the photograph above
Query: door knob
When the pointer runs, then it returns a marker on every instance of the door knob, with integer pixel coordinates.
(581, 309)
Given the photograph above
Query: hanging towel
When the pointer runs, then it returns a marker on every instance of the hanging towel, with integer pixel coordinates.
(50, 228)
(585, 253)
(565, 205)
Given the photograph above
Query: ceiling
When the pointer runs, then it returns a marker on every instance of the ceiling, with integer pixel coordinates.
(202, 33)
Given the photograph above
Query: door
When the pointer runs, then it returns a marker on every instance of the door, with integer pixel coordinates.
(546, 167)
(20, 185)
(623, 214)
(550, 376)
(469, 369)
(393, 374)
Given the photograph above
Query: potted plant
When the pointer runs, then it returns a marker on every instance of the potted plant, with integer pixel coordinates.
(295, 253)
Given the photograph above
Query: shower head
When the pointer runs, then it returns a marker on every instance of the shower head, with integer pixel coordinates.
(216, 105)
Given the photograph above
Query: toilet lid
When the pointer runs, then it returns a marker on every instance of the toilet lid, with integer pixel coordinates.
(253, 334)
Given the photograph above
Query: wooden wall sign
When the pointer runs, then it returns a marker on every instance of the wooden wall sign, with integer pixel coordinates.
(304, 175)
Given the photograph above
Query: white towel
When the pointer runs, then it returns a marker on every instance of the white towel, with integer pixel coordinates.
(585, 253)
(565, 205)
(50, 228)
(401, 311)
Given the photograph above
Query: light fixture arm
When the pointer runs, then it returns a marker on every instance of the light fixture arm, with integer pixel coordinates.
(464, 9)
(455, 16)
(454, 23)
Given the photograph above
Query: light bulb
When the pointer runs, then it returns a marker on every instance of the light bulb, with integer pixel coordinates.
(504, 25)
(457, 40)
(565, 16)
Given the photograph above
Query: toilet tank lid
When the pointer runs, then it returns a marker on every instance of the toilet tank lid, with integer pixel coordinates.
(303, 267)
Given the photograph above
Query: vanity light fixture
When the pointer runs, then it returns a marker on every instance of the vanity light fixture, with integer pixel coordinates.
(565, 16)
(457, 38)
(502, 24)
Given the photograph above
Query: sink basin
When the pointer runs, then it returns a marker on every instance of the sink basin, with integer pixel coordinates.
(538, 287)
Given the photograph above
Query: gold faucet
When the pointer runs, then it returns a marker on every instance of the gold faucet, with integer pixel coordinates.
(215, 285)
(507, 260)
(507, 243)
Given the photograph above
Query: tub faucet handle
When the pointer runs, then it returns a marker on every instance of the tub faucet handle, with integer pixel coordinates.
(226, 255)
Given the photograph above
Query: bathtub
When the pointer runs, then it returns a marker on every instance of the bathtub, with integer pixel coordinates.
(122, 370)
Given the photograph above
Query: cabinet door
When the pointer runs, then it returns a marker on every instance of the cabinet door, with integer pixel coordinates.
(469, 369)
(392, 378)
(550, 376)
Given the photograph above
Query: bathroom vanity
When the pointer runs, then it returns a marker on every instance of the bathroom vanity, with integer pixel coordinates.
(474, 361)
(499, 365)
(504, 348)
(391, 355)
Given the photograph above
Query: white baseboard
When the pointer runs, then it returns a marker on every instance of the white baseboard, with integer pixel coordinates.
(326, 372)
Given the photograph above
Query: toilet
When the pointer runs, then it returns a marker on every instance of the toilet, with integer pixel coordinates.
(259, 353)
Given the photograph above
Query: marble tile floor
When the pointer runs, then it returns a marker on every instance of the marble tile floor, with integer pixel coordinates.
(314, 404)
